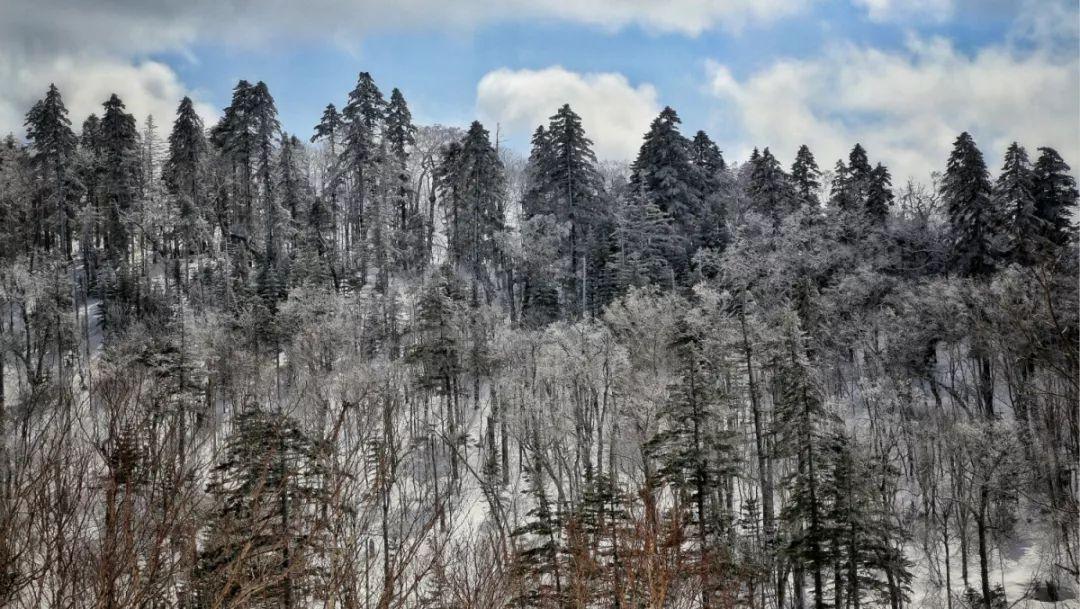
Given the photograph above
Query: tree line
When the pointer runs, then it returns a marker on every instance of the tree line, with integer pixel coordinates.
(394, 365)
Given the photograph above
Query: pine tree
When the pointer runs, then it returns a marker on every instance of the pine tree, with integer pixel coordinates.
(867, 547)
(694, 455)
(183, 170)
(644, 241)
(52, 145)
(264, 534)
(974, 222)
(663, 172)
(852, 181)
(805, 179)
(234, 136)
(120, 158)
(879, 195)
(538, 561)
(563, 183)
(271, 280)
(329, 128)
(409, 223)
(1014, 194)
(472, 185)
(805, 425)
(711, 225)
(364, 117)
(769, 189)
(1055, 198)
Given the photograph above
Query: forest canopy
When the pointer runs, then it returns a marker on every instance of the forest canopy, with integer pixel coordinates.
(395, 365)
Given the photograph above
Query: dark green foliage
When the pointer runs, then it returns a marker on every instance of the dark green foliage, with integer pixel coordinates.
(264, 534)
(437, 347)
(1014, 194)
(664, 174)
(806, 178)
(695, 453)
(564, 184)
(712, 217)
(52, 146)
(879, 195)
(769, 189)
(538, 562)
(472, 185)
(1055, 198)
(183, 169)
(645, 240)
(120, 159)
(974, 221)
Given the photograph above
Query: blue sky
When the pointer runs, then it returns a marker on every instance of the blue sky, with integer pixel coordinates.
(438, 70)
(902, 76)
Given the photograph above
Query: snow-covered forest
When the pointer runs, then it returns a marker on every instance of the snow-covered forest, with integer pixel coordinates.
(388, 365)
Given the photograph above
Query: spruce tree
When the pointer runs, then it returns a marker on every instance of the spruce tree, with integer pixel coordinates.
(1055, 198)
(120, 158)
(409, 224)
(879, 195)
(974, 221)
(364, 117)
(664, 173)
(52, 145)
(694, 454)
(183, 170)
(805, 178)
(805, 425)
(769, 189)
(1014, 194)
(712, 170)
(264, 533)
(473, 188)
(644, 242)
(563, 183)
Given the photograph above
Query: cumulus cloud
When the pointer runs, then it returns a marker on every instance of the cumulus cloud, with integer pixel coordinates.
(614, 113)
(148, 87)
(86, 47)
(907, 106)
(894, 10)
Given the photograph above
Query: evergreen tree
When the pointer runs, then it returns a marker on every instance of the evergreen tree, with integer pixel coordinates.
(711, 226)
(644, 241)
(364, 117)
(538, 560)
(329, 128)
(664, 173)
(879, 195)
(695, 456)
(805, 425)
(705, 155)
(563, 183)
(120, 159)
(769, 189)
(410, 225)
(974, 222)
(52, 145)
(234, 136)
(472, 184)
(805, 178)
(264, 534)
(1014, 194)
(400, 131)
(182, 172)
(1055, 198)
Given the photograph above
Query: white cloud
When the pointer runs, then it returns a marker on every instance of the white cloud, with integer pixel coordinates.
(906, 107)
(148, 87)
(88, 47)
(615, 114)
(894, 10)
